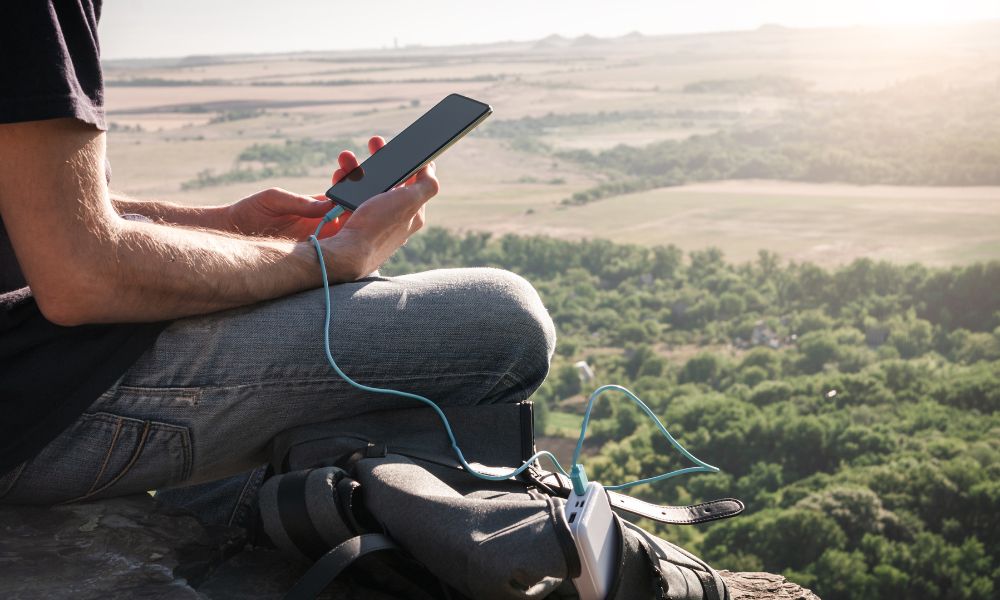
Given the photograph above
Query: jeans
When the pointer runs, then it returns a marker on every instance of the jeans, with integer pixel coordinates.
(193, 417)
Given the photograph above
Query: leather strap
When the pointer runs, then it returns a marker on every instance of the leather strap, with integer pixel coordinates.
(331, 564)
(678, 515)
(527, 418)
(670, 515)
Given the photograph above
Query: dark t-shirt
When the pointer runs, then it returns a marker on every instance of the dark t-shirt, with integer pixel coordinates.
(50, 68)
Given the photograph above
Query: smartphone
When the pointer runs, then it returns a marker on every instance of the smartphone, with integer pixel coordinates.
(420, 143)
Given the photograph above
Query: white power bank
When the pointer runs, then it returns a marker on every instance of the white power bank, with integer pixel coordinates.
(596, 537)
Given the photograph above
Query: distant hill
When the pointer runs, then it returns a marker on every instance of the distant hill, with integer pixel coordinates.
(632, 35)
(588, 40)
(552, 41)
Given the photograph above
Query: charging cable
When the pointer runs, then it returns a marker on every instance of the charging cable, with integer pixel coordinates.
(577, 475)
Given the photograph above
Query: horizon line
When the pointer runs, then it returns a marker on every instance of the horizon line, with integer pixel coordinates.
(384, 48)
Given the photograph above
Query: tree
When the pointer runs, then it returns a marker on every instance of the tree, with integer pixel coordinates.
(781, 539)
(818, 348)
(911, 336)
(567, 381)
(857, 510)
(705, 367)
(841, 575)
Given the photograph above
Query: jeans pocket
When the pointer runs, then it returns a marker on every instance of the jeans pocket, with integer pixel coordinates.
(104, 455)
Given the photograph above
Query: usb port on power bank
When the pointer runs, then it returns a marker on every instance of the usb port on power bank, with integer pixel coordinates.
(596, 538)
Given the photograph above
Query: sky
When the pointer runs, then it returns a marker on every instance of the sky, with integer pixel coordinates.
(167, 28)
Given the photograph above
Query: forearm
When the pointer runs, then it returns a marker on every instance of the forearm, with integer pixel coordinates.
(147, 272)
(208, 217)
(85, 264)
(127, 271)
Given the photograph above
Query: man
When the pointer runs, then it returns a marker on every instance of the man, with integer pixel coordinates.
(167, 351)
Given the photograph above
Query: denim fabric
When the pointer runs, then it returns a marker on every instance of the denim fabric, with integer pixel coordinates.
(199, 408)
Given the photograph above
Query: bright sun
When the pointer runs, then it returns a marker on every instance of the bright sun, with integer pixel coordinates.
(919, 12)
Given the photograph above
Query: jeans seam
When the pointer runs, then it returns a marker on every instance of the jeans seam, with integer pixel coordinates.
(128, 467)
(107, 456)
(148, 428)
(243, 500)
(187, 393)
(188, 449)
(327, 380)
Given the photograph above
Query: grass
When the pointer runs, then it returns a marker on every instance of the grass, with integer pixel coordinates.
(563, 424)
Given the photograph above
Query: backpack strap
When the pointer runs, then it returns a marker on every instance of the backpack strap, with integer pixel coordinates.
(677, 563)
(333, 563)
(294, 515)
(637, 574)
(708, 585)
(678, 515)
(559, 485)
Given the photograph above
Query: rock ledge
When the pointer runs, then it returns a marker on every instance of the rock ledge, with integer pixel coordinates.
(131, 547)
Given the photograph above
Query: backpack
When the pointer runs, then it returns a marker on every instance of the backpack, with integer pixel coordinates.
(380, 499)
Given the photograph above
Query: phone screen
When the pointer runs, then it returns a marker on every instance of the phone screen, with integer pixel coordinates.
(414, 147)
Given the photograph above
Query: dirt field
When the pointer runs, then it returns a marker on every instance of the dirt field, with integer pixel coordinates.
(825, 224)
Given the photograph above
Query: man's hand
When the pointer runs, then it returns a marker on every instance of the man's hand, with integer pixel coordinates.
(277, 213)
(381, 225)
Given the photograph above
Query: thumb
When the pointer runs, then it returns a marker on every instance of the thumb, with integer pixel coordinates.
(425, 184)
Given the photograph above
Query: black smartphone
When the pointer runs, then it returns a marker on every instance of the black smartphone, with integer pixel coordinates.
(420, 143)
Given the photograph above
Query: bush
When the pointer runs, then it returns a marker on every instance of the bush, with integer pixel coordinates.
(704, 368)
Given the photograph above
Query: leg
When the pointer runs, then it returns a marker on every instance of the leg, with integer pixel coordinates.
(203, 403)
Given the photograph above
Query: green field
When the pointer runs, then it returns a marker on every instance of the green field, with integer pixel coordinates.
(563, 424)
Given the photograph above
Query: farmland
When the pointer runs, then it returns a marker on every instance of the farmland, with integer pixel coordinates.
(556, 98)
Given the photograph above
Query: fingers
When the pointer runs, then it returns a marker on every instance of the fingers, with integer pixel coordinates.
(347, 162)
(283, 202)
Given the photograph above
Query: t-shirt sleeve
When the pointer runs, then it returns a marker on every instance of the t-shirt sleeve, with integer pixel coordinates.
(51, 61)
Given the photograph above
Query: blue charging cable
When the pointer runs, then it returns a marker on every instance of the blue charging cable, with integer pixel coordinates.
(577, 475)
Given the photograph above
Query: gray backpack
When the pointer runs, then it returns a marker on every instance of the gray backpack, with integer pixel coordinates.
(380, 499)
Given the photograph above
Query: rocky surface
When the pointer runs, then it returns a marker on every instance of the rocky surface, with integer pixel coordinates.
(132, 548)
(754, 586)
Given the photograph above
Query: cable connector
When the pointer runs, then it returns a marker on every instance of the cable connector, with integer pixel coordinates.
(579, 478)
(335, 212)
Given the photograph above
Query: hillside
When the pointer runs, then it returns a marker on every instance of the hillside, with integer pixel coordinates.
(854, 410)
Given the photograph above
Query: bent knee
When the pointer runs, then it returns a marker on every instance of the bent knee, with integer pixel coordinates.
(519, 314)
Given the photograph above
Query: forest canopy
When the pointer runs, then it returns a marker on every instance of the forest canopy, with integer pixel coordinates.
(854, 410)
